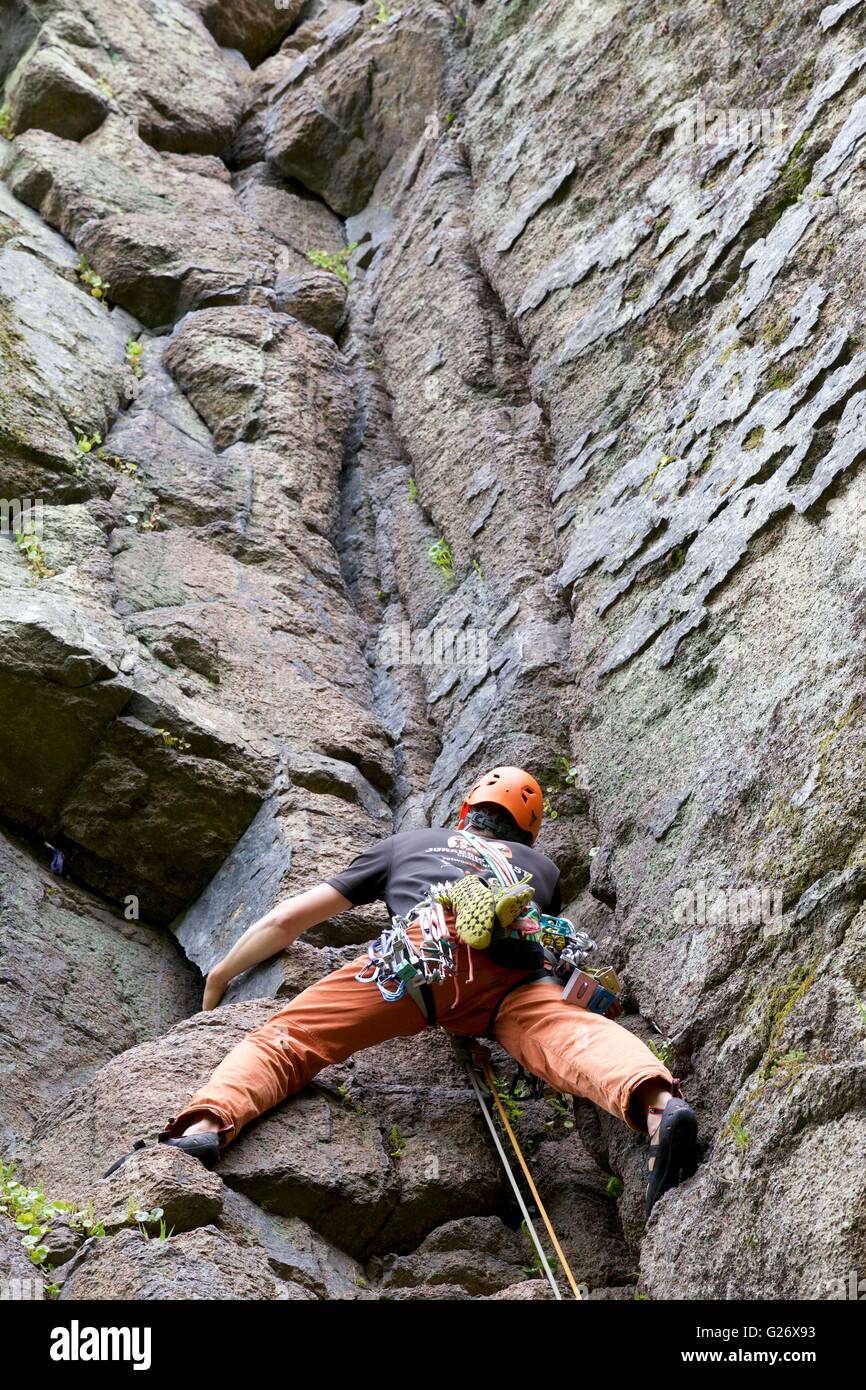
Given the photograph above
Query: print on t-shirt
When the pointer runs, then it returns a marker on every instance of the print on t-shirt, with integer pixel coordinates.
(401, 869)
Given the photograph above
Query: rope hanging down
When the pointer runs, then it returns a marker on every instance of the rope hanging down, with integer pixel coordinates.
(478, 1058)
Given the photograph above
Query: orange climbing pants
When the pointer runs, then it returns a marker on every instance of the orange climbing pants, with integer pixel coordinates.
(581, 1053)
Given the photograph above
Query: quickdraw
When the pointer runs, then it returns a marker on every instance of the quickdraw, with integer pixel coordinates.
(397, 964)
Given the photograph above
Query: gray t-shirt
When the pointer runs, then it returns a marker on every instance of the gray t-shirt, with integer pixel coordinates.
(399, 870)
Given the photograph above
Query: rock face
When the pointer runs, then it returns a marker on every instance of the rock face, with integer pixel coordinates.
(388, 396)
(201, 1265)
(80, 984)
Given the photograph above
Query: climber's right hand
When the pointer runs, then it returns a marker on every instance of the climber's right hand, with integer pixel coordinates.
(271, 934)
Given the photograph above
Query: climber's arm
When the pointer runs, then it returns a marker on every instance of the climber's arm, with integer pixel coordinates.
(272, 933)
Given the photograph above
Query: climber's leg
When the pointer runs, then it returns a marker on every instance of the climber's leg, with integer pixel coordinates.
(324, 1024)
(581, 1053)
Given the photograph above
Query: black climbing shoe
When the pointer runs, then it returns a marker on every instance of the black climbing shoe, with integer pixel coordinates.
(205, 1147)
(674, 1151)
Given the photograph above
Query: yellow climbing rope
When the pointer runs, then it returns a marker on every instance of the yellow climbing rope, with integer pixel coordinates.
(491, 1083)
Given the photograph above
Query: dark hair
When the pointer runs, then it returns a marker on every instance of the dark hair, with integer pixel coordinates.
(497, 821)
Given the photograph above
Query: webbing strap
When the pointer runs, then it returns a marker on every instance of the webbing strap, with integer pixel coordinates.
(423, 996)
(496, 860)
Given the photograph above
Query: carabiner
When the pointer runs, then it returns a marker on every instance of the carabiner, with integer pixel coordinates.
(392, 996)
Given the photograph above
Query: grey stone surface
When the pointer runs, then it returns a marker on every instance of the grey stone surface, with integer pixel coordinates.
(618, 369)
(202, 1265)
(80, 984)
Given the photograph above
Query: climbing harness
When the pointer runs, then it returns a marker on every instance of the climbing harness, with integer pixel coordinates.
(498, 916)
(476, 1062)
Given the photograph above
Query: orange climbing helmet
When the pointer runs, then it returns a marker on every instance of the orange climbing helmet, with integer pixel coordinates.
(513, 789)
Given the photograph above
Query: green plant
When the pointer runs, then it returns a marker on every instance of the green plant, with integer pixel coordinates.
(133, 356)
(142, 1218)
(510, 1101)
(346, 1097)
(174, 741)
(92, 444)
(476, 565)
(861, 1006)
(414, 494)
(563, 1112)
(85, 1221)
(565, 776)
(396, 1145)
(664, 1051)
(783, 999)
(382, 15)
(6, 130)
(440, 554)
(86, 443)
(536, 1269)
(152, 521)
(336, 263)
(31, 549)
(786, 1067)
(795, 175)
(154, 1217)
(33, 1214)
(124, 466)
(738, 1130)
(777, 332)
(87, 275)
(30, 1212)
(736, 346)
(663, 462)
(614, 1187)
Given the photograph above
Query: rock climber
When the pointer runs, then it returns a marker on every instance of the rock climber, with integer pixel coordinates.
(573, 1049)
